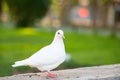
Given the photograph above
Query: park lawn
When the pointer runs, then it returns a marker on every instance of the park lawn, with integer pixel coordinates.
(85, 50)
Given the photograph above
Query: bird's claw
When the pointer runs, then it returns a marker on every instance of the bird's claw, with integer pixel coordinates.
(51, 75)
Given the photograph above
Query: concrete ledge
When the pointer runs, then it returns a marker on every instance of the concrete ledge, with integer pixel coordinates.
(106, 72)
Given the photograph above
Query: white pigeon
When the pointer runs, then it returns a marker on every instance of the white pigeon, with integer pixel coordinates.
(47, 58)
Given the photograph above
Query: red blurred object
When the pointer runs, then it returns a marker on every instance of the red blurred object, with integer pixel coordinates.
(83, 12)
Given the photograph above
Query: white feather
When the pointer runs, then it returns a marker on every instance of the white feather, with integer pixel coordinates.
(48, 57)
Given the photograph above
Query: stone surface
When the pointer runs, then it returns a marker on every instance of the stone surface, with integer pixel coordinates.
(106, 72)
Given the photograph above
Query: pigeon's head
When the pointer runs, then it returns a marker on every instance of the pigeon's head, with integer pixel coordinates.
(60, 34)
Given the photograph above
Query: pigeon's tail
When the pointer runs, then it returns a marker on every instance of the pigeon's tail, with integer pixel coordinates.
(20, 63)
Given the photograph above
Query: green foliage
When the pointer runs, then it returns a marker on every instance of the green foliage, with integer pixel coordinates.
(25, 11)
(107, 1)
(74, 2)
(85, 50)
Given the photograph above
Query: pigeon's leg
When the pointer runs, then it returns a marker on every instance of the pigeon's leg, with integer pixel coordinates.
(51, 75)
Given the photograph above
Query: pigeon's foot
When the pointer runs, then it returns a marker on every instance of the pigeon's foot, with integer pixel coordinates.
(51, 75)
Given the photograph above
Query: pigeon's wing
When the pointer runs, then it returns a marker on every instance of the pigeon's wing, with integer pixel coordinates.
(45, 56)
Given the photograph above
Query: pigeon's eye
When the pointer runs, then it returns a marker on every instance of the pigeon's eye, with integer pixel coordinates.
(58, 33)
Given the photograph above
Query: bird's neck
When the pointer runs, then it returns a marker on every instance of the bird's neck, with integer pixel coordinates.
(57, 40)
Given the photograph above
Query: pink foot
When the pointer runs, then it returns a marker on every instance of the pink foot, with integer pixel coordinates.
(51, 75)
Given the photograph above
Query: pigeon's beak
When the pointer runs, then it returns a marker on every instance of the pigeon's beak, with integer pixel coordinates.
(63, 36)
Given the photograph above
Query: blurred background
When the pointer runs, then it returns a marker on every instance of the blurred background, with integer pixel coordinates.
(92, 31)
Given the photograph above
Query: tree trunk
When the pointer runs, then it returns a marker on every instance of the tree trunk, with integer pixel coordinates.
(66, 6)
(94, 14)
(0, 9)
(111, 19)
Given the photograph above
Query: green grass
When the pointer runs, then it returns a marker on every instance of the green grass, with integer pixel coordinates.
(85, 50)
